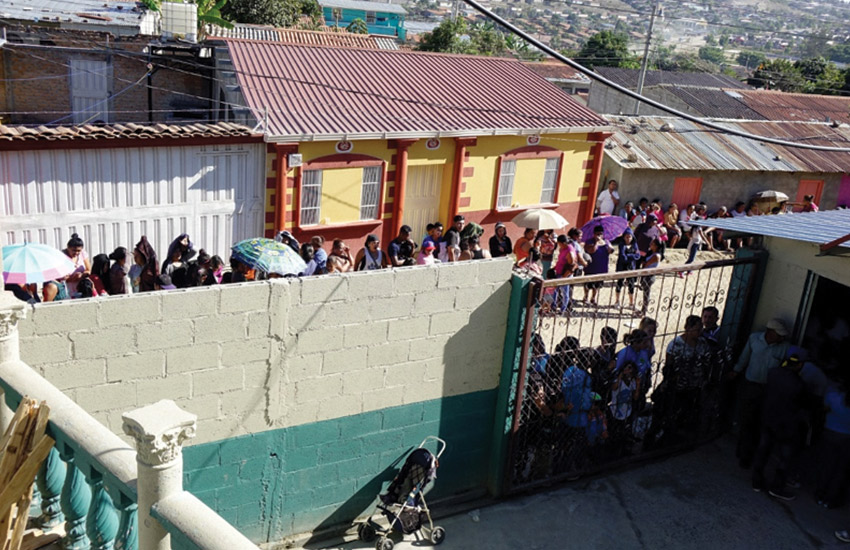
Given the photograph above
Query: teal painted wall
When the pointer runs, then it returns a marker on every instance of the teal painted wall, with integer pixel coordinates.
(322, 475)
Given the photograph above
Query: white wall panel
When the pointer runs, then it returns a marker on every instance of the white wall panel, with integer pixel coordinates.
(112, 197)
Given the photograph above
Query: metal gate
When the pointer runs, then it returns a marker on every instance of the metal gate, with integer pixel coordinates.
(584, 403)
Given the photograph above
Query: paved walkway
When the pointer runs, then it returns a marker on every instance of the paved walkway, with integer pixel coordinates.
(699, 500)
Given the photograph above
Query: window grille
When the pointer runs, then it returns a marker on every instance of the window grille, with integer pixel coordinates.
(370, 191)
(506, 184)
(311, 197)
(550, 175)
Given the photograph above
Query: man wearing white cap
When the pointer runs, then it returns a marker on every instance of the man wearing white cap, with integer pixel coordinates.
(764, 351)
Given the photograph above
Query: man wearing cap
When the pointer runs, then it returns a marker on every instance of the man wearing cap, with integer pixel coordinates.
(608, 199)
(401, 248)
(764, 351)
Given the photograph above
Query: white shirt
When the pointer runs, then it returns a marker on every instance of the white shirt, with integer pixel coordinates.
(736, 214)
(605, 202)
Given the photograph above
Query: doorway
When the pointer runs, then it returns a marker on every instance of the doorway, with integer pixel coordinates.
(422, 197)
(825, 334)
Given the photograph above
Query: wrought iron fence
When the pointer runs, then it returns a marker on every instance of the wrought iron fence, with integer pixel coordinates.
(608, 373)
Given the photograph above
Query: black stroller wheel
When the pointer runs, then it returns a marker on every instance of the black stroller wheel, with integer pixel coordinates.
(366, 532)
(384, 544)
(438, 535)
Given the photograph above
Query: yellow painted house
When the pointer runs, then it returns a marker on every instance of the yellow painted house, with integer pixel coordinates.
(362, 141)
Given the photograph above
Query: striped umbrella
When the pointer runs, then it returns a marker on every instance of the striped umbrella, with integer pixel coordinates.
(269, 256)
(34, 263)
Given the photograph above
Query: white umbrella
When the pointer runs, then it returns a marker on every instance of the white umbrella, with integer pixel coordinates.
(540, 218)
(770, 196)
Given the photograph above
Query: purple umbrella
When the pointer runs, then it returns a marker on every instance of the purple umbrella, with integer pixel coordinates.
(612, 225)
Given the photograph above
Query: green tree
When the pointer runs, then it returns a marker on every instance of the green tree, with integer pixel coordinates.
(487, 40)
(710, 40)
(820, 75)
(209, 12)
(357, 26)
(778, 74)
(606, 49)
(448, 37)
(278, 13)
(712, 54)
(750, 59)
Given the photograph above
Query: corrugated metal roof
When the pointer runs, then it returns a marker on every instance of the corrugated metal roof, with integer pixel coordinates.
(715, 102)
(813, 227)
(689, 146)
(629, 78)
(556, 72)
(337, 38)
(118, 131)
(363, 5)
(89, 12)
(773, 105)
(325, 93)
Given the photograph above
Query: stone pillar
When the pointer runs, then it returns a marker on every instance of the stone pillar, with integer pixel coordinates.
(159, 430)
(12, 310)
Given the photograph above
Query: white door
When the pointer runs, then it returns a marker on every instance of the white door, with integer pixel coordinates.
(111, 197)
(89, 91)
(422, 198)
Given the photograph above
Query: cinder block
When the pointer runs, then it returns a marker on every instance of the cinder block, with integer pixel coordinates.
(193, 358)
(344, 360)
(139, 365)
(497, 270)
(208, 407)
(256, 422)
(397, 307)
(448, 323)
(473, 297)
(103, 343)
(64, 316)
(382, 399)
(220, 328)
(243, 402)
(174, 387)
(281, 304)
(107, 397)
(311, 341)
(358, 382)
(427, 348)
(416, 279)
(406, 374)
(244, 297)
(170, 334)
(301, 318)
(403, 416)
(435, 369)
(318, 389)
(189, 303)
(39, 350)
(457, 275)
(129, 309)
(340, 406)
(300, 367)
(324, 289)
(301, 413)
(26, 326)
(423, 391)
(347, 313)
(391, 353)
(246, 351)
(435, 302)
(363, 285)
(74, 374)
(409, 329)
(366, 334)
(256, 374)
(216, 381)
(216, 429)
(259, 324)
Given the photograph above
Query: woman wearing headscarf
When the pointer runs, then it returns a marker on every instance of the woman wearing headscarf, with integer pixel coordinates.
(143, 274)
(500, 243)
(119, 280)
(187, 250)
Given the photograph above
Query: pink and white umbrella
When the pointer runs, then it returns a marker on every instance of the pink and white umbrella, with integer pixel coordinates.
(34, 263)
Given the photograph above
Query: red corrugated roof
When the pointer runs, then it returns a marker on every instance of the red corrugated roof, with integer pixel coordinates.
(774, 105)
(129, 130)
(322, 93)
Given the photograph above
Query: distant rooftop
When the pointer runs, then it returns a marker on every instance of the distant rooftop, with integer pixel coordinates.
(118, 131)
(113, 15)
(557, 72)
(812, 227)
(329, 37)
(363, 5)
(629, 78)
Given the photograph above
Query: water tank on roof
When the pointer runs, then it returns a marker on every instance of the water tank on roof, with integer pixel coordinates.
(179, 21)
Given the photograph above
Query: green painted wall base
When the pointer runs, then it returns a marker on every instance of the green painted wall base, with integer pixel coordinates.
(318, 476)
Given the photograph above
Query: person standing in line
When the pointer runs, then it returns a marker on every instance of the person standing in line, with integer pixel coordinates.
(450, 243)
(763, 352)
(524, 244)
(547, 243)
(339, 260)
(319, 254)
(599, 249)
(608, 199)
(500, 243)
(627, 260)
(809, 204)
(651, 261)
(76, 251)
(371, 257)
(119, 280)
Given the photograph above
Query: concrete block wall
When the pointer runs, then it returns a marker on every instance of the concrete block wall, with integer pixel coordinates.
(260, 356)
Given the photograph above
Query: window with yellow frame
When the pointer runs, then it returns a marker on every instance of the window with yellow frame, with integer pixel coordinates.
(528, 178)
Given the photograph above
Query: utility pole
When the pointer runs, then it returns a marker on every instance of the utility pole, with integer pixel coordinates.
(645, 63)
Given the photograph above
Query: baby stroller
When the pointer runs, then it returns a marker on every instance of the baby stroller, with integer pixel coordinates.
(404, 502)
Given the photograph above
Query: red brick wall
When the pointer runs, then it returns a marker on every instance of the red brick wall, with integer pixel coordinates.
(42, 101)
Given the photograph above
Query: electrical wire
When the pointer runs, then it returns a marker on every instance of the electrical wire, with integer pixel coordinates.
(634, 95)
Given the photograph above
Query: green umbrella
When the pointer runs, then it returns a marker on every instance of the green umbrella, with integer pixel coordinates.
(269, 256)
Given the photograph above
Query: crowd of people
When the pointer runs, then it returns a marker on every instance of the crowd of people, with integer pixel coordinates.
(597, 403)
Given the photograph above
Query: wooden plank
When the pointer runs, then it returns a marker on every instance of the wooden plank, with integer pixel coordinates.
(40, 541)
(25, 475)
(7, 436)
(21, 520)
